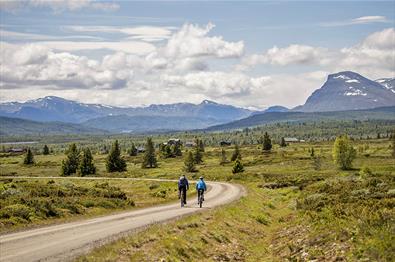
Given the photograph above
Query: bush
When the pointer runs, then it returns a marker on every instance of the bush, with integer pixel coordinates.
(343, 152)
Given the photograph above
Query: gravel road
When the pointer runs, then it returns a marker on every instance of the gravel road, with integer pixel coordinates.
(66, 241)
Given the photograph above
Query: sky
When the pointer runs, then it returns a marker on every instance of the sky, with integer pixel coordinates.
(248, 54)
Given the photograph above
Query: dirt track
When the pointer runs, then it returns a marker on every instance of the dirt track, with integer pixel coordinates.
(66, 241)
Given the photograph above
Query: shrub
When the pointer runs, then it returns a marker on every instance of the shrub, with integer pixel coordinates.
(343, 152)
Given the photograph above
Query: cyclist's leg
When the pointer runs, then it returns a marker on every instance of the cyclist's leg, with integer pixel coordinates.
(184, 192)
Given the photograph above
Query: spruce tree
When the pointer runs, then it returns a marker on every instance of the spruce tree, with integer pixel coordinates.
(115, 163)
(343, 152)
(223, 157)
(189, 163)
(29, 158)
(283, 143)
(236, 153)
(87, 167)
(132, 150)
(267, 142)
(237, 166)
(201, 145)
(198, 155)
(45, 150)
(176, 149)
(149, 160)
(71, 163)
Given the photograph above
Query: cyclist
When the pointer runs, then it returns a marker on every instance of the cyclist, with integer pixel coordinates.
(183, 186)
(201, 187)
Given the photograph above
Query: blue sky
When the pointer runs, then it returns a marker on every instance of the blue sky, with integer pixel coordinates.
(250, 54)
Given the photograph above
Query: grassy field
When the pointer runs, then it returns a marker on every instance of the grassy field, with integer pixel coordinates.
(297, 208)
(26, 203)
(294, 210)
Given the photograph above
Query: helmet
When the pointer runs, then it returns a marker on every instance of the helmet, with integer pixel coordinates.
(181, 177)
(201, 177)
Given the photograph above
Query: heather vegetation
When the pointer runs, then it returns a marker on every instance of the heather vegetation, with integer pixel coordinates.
(319, 199)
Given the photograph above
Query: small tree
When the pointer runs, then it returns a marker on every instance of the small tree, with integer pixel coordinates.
(343, 152)
(45, 150)
(223, 157)
(71, 163)
(176, 149)
(237, 166)
(267, 142)
(87, 167)
(236, 153)
(316, 163)
(283, 143)
(201, 145)
(115, 163)
(132, 150)
(198, 155)
(149, 160)
(189, 163)
(29, 158)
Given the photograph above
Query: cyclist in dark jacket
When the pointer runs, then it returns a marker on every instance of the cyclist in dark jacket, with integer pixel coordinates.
(183, 186)
(201, 187)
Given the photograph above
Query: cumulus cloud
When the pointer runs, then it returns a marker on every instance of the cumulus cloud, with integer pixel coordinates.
(373, 56)
(34, 64)
(57, 5)
(192, 41)
(293, 54)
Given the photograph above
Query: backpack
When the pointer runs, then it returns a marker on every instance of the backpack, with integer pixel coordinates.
(183, 182)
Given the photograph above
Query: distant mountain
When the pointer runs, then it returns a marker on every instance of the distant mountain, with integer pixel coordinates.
(15, 126)
(350, 91)
(383, 113)
(139, 124)
(52, 108)
(388, 83)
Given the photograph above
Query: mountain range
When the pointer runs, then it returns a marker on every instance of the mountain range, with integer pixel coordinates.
(342, 91)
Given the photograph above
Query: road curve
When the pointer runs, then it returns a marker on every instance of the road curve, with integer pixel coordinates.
(66, 241)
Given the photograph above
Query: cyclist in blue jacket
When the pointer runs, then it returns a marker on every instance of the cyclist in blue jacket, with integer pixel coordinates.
(201, 187)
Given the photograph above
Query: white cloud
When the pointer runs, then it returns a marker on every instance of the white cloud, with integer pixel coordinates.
(57, 5)
(192, 41)
(359, 21)
(293, 54)
(369, 19)
(145, 33)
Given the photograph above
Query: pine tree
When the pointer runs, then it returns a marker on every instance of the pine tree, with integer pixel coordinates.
(343, 152)
(29, 158)
(223, 157)
(189, 163)
(70, 164)
(45, 150)
(149, 160)
(198, 155)
(132, 150)
(267, 142)
(115, 163)
(283, 143)
(87, 167)
(177, 150)
(236, 153)
(237, 166)
(201, 145)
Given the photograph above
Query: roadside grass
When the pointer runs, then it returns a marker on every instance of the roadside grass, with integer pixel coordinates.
(29, 203)
(293, 211)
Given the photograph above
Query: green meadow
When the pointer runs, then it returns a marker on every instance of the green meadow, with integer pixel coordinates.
(299, 205)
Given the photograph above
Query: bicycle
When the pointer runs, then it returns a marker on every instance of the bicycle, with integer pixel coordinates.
(182, 198)
(201, 198)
